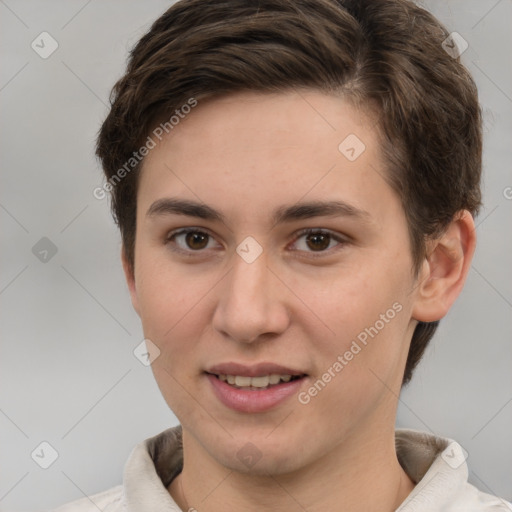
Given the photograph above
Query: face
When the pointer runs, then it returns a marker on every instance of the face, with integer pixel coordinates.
(270, 248)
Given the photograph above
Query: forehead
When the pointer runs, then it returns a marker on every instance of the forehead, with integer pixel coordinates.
(253, 150)
(252, 121)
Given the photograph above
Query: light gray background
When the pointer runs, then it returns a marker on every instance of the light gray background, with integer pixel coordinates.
(68, 374)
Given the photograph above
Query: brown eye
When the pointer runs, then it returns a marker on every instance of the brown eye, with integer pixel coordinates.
(318, 241)
(196, 240)
(189, 240)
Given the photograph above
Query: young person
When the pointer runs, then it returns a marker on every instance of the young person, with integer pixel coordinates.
(295, 183)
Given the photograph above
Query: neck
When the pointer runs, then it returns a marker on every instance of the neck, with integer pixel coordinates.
(357, 475)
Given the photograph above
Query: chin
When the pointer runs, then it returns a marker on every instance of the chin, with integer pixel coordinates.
(265, 464)
(260, 455)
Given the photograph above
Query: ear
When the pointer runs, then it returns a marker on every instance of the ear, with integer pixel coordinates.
(129, 274)
(445, 269)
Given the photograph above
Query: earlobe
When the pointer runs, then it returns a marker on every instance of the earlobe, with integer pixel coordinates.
(129, 274)
(445, 269)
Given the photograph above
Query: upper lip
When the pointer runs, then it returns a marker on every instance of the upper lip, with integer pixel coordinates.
(255, 370)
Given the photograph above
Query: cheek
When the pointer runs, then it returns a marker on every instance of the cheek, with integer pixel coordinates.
(356, 300)
(169, 302)
(357, 369)
(367, 314)
(174, 311)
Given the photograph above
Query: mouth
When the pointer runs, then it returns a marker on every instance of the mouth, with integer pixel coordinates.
(257, 383)
(254, 389)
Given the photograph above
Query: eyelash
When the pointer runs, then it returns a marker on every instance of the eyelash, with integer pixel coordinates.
(304, 232)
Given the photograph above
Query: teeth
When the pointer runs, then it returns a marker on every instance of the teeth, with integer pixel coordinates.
(242, 381)
(258, 382)
(274, 378)
(262, 381)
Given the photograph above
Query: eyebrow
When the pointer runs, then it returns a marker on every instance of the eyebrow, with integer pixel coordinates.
(282, 214)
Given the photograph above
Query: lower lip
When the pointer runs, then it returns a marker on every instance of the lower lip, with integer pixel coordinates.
(248, 400)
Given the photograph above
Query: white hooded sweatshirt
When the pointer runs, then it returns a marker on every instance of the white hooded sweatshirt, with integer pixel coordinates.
(436, 465)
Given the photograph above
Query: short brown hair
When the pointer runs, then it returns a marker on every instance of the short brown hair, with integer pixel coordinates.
(387, 53)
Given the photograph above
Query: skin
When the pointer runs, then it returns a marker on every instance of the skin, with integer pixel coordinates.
(295, 305)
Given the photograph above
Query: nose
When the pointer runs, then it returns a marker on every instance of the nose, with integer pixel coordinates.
(252, 302)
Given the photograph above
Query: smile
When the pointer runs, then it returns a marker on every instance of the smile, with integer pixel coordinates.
(253, 389)
(256, 383)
